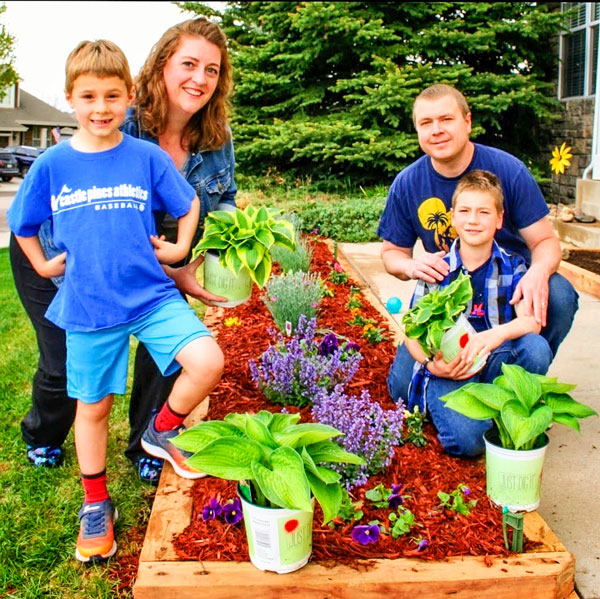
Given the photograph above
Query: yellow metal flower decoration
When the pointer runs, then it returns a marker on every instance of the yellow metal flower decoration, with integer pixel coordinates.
(561, 158)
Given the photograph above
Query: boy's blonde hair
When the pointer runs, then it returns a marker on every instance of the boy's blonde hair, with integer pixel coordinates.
(101, 58)
(439, 90)
(208, 128)
(479, 180)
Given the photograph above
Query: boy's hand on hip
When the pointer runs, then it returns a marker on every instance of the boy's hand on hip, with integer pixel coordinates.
(167, 252)
(55, 267)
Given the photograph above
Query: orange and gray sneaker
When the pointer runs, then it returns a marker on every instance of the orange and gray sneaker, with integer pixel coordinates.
(96, 539)
(158, 444)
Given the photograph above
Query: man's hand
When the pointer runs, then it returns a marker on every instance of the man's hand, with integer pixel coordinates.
(399, 262)
(185, 280)
(55, 267)
(167, 252)
(429, 267)
(532, 290)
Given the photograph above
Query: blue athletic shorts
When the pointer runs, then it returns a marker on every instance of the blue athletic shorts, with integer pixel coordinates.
(97, 360)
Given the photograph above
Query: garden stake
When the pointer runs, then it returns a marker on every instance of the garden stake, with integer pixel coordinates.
(515, 521)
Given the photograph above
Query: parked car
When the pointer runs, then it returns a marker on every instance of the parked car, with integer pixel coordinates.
(24, 155)
(8, 166)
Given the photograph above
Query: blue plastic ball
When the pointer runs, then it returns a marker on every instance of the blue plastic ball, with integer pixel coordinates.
(394, 305)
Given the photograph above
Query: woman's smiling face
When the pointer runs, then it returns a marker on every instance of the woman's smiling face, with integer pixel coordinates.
(191, 75)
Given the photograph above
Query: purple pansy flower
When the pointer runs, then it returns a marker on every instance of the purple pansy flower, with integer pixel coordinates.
(328, 344)
(466, 491)
(423, 544)
(212, 510)
(395, 501)
(232, 512)
(365, 534)
(396, 488)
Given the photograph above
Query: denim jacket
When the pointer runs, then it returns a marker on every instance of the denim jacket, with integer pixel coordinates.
(210, 173)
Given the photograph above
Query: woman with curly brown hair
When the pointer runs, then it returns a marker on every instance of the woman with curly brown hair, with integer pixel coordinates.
(180, 103)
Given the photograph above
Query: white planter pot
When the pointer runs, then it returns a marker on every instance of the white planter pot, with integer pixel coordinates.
(514, 477)
(279, 540)
(455, 339)
(221, 281)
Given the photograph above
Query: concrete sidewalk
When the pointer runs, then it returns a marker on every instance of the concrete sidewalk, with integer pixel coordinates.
(570, 500)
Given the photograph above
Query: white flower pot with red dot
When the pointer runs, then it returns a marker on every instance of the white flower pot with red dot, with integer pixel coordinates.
(279, 539)
(456, 339)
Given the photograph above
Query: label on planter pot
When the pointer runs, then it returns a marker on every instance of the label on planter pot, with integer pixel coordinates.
(295, 537)
(455, 340)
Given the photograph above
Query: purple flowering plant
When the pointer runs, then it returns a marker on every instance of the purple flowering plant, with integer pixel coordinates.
(212, 510)
(457, 501)
(230, 510)
(369, 430)
(295, 370)
(366, 533)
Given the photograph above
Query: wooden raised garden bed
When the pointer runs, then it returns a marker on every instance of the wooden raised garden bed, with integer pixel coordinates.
(547, 572)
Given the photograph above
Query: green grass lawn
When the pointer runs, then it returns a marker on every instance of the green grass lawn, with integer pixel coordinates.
(38, 507)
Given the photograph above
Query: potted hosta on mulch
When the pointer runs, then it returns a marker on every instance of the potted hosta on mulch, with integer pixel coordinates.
(437, 321)
(279, 464)
(522, 406)
(237, 250)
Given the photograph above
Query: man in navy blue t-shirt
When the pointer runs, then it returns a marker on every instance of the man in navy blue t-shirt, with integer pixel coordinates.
(419, 201)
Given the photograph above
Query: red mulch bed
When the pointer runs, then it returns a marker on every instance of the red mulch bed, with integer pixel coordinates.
(423, 471)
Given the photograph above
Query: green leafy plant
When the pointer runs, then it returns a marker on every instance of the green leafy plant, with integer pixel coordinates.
(244, 239)
(436, 312)
(522, 405)
(413, 428)
(280, 459)
(456, 500)
(290, 295)
(401, 522)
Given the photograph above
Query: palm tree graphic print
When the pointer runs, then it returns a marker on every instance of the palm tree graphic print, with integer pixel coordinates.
(433, 216)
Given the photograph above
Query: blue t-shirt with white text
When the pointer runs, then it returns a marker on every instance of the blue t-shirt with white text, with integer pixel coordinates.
(101, 207)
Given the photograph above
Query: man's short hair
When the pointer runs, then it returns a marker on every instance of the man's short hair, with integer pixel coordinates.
(439, 90)
(479, 180)
(101, 58)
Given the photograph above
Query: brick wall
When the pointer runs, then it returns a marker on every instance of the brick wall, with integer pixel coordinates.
(574, 126)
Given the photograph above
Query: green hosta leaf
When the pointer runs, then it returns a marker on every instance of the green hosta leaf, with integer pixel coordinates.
(561, 403)
(202, 434)
(258, 431)
(281, 421)
(230, 458)
(285, 229)
(265, 417)
(327, 475)
(491, 395)
(328, 496)
(307, 433)
(237, 420)
(251, 255)
(243, 221)
(210, 243)
(567, 420)
(524, 384)
(463, 402)
(522, 426)
(263, 215)
(260, 275)
(284, 483)
(424, 315)
(266, 238)
(232, 261)
(554, 387)
(331, 452)
(223, 216)
(284, 241)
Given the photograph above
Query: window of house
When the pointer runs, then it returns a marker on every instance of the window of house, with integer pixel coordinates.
(579, 50)
(9, 99)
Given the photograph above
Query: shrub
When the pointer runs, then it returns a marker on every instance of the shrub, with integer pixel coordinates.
(300, 257)
(290, 295)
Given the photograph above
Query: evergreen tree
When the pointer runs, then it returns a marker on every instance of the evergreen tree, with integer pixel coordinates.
(8, 76)
(325, 89)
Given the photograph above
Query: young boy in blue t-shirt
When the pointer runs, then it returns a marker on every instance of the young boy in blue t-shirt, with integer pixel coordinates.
(100, 190)
(503, 330)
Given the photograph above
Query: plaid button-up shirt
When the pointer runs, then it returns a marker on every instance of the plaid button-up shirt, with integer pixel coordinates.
(504, 272)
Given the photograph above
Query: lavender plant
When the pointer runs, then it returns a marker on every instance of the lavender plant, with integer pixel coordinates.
(293, 371)
(369, 430)
(290, 295)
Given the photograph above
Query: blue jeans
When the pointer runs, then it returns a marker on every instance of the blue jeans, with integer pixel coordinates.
(563, 302)
(459, 435)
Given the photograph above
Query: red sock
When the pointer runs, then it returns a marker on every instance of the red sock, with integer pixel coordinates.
(94, 487)
(167, 419)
